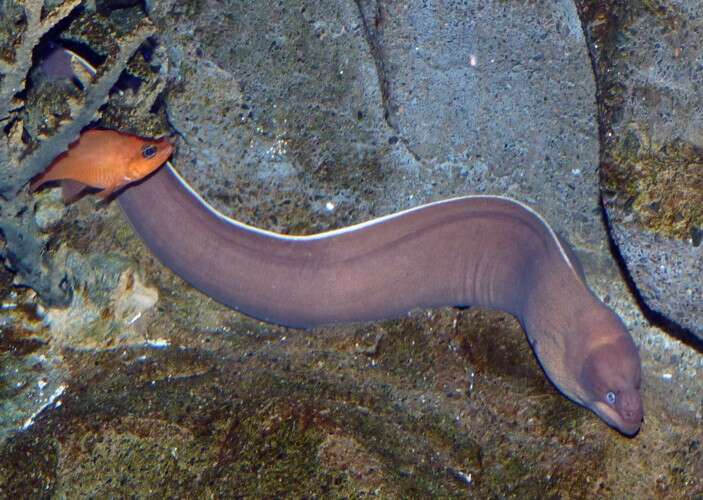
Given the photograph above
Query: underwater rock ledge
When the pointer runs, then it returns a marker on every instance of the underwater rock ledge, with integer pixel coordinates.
(646, 57)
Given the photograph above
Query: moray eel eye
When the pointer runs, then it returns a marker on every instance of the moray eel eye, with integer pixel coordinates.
(148, 151)
(610, 398)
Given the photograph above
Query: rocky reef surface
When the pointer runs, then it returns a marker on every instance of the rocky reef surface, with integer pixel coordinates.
(119, 379)
(648, 59)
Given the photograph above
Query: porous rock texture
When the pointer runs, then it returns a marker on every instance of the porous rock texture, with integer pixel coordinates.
(647, 57)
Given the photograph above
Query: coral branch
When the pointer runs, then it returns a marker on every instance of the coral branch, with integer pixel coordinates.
(14, 75)
(38, 160)
(24, 249)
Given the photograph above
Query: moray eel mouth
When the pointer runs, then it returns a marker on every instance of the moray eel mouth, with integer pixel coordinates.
(628, 425)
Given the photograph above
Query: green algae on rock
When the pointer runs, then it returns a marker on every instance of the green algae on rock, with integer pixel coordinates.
(662, 185)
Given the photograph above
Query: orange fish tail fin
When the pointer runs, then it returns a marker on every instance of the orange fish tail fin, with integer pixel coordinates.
(72, 190)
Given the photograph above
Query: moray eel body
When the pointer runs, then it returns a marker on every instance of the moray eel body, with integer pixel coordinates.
(483, 251)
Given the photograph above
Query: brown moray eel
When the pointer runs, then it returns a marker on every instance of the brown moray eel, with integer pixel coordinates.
(483, 251)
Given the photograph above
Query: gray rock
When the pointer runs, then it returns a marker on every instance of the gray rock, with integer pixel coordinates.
(668, 272)
(648, 60)
(49, 210)
(509, 115)
(297, 112)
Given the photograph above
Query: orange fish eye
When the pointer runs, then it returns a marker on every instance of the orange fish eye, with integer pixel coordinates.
(148, 151)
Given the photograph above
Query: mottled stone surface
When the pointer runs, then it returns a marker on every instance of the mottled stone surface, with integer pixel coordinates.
(478, 95)
(648, 62)
(290, 119)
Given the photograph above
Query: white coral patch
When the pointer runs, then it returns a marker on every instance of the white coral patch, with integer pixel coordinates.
(133, 298)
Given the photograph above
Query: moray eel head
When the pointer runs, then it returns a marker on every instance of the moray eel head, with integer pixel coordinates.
(610, 377)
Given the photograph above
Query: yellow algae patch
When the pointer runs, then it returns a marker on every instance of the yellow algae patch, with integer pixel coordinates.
(662, 184)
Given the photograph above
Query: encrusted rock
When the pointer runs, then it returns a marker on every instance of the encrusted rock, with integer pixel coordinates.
(647, 59)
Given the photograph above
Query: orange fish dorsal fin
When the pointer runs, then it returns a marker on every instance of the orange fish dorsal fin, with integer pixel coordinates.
(52, 173)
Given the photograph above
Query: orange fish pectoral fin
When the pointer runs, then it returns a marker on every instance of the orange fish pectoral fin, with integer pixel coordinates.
(72, 190)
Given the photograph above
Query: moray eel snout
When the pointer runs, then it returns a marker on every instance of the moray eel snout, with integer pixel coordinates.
(625, 415)
(611, 378)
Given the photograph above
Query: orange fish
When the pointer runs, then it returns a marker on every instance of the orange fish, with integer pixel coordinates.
(104, 159)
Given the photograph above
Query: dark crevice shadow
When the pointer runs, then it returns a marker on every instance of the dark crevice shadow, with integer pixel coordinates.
(371, 35)
(373, 28)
